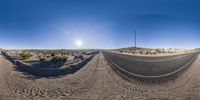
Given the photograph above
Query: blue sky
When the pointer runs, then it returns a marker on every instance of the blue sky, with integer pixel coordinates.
(57, 24)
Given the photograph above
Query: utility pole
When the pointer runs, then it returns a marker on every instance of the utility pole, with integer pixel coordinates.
(135, 42)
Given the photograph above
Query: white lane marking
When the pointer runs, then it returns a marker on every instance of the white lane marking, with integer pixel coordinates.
(158, 76)
(161, 60)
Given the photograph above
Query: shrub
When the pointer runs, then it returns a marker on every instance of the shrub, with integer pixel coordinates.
(1, 49)
(43, 59)
(64, 58)
(53, 54)
(84, 53)
(81, 57)
(140, 51)
(78, 57)
(145, 51)
(158, 51)
(75, 58)
(25, 55)
(59, 58)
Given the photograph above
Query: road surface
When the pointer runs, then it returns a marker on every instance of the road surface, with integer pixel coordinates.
(150, 67)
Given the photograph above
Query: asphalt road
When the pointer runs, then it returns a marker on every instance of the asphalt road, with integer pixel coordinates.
(150, 66)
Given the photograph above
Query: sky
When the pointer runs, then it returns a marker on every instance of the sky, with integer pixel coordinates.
(60, 24)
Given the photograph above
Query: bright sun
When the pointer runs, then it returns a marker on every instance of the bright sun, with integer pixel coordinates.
(79, 43)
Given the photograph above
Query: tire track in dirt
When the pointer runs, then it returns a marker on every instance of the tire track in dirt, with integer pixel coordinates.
(64, 86)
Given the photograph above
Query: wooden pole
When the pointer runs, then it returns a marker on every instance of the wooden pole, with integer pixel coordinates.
(135, 42)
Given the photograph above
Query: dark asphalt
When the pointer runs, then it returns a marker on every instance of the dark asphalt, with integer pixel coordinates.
(150, 66)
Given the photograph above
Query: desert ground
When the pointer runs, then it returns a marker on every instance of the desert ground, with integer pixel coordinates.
(96, 81)
(152, 51)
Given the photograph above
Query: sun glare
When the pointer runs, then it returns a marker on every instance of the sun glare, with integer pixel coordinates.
(79, 43)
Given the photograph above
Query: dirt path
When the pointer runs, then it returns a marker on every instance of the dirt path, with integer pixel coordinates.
(96, 81)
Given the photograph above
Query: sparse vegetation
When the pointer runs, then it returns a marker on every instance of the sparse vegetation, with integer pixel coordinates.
(148, 51)
(59, 58)
(49, 55)
(1, 49)
(78, 57)
(81, 57)
(43, 59)
(25, 55)
(158, 51)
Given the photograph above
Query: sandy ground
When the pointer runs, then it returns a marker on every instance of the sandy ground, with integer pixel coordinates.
(96, 81)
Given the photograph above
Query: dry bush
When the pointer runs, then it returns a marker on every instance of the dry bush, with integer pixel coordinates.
(25, 55)
(77, 57)
(43, 59)
(145, 51)
(59, 58)
(53, 54)
(81, 57)
(158, 50)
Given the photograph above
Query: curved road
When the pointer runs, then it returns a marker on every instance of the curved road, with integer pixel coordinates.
(150, 67)
(96, 81)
